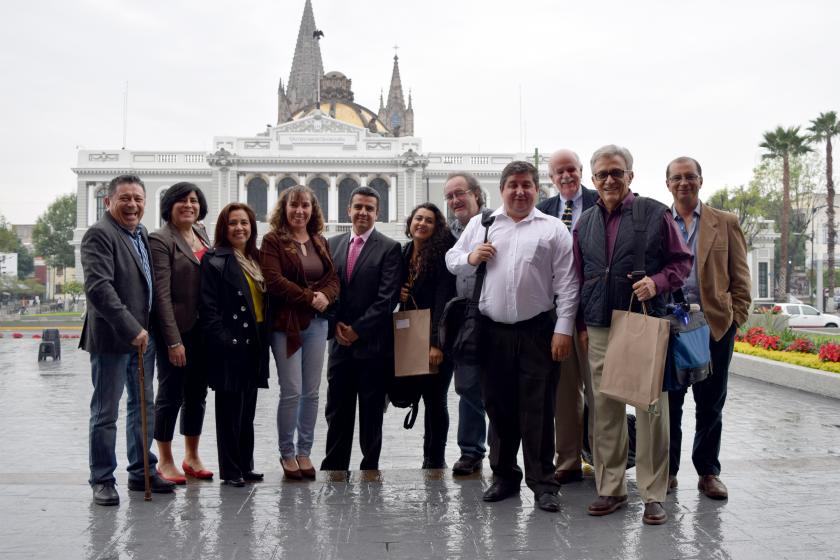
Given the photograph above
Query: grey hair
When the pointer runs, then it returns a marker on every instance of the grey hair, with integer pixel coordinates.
(472, 184)
(612, 150)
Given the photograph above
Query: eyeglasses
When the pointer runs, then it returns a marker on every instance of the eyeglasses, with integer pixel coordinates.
(455, 194)
(614, 173)
(677, 179)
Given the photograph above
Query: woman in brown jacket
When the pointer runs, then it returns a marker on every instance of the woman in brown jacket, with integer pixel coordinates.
(177, 249)
(301, 283)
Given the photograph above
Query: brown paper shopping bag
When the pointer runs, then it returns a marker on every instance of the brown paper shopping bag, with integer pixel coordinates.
(411, 342)
(635, 361)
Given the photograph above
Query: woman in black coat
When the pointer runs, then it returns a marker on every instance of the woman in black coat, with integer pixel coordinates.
(427, 284)
(232, 313)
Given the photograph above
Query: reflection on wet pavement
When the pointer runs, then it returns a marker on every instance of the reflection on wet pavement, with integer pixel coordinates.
(781, 462)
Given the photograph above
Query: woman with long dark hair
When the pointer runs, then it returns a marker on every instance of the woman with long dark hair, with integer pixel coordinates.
(427, 284)
(177, 250)
(301, 282)
(232, 312)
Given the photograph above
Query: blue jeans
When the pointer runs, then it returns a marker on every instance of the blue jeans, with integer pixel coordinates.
(472, 427)
(300, 379)
(110, 373)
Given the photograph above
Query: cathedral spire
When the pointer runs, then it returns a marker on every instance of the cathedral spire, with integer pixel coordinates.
(307, 67)
(284, 112)
(398, 118)
(395, 93)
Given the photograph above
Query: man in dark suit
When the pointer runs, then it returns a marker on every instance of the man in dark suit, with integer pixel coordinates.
(361, 351)
(572, 199)
(118, 286)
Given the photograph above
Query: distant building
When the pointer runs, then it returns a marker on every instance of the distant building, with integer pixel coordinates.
(9, 264)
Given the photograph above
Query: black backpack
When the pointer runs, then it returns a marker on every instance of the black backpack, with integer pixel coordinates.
(405, 392)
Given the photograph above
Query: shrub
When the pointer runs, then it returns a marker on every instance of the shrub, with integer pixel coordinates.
(830, 352)
(800, 345)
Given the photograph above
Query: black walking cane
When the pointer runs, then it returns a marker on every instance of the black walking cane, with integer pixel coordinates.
(147, 496)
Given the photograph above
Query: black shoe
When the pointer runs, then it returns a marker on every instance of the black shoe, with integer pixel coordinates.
(548, 502)
(159, 486)
(252, 476)
(429, 464)
(104, 494)
(499, 491)
(467, 464)
(235, 482)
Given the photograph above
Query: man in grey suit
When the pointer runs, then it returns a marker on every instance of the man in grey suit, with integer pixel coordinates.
(571, 200)
(361, 351)
(118, 287)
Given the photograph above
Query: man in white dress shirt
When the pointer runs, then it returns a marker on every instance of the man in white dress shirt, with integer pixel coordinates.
(528, 302)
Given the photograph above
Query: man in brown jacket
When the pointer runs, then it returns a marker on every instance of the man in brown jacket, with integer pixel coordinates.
(720, 283)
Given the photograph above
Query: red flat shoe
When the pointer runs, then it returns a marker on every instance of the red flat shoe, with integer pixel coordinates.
(203, 474)
(172, 479)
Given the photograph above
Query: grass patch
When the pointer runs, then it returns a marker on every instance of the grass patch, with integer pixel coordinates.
(796, 358)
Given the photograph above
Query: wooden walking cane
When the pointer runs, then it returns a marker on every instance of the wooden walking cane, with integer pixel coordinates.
(146, 476)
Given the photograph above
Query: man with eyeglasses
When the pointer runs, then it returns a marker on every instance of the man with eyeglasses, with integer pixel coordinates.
(572, 199)
(605, 243)
(720, 283)
(464, 198)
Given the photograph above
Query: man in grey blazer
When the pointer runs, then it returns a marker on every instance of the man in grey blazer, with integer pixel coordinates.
(118, 288)
(571, 200)
(361, 351)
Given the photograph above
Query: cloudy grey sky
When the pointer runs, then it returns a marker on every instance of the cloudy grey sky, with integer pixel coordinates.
(663, 78)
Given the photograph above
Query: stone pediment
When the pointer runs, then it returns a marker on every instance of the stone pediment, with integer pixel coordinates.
(318, 123)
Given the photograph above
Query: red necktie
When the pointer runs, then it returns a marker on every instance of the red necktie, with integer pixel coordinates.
(355, 249)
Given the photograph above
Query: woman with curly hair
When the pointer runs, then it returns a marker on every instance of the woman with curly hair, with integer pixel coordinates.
(427, 284)
(301, 283)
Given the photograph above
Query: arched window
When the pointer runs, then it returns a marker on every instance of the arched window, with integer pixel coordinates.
(257, 195)
(285, 184)
(322, 193)
(380, 186)
(345, 187)
(99, 198)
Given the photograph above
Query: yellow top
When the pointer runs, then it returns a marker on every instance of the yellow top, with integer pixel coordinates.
(256, 297)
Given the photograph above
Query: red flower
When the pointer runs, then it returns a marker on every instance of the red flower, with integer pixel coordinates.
(801, 345)
(830, 352)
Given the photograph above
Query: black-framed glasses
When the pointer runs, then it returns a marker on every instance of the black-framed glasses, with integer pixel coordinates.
(677, 179)
(614, 173)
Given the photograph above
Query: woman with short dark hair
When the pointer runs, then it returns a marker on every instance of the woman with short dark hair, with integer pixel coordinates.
(427, 284)
(232, 314)
(302, 282)
(177, 249)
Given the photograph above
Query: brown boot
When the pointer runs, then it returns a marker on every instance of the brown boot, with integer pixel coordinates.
(712, 487)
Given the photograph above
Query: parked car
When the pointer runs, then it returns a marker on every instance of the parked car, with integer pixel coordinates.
(801, 315)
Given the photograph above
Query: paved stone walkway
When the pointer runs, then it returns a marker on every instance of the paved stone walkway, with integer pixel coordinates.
(781, 461)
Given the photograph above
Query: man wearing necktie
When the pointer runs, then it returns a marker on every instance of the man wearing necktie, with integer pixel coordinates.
(571, 200)
(361, 351)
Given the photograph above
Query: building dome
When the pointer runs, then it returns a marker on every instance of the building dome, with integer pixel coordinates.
(348, 112)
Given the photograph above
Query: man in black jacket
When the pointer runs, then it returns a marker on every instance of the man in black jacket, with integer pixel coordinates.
(572, 199)
(361, 351)
(118, 286)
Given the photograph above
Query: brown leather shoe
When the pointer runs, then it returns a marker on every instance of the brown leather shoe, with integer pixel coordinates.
(654, 514)
(672, 483)
(565, 477)
(712, 487)
(606, 505)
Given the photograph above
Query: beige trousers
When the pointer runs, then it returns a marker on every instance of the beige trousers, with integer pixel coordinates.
(610, 437)
(573, 389)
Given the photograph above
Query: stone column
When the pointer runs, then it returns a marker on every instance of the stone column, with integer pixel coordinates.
(363, 180)
(243, 196)
(392, 198)
(91, 207)
(333, 200)
(270, 195)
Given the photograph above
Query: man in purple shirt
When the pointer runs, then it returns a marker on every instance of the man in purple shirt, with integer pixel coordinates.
(605, 245)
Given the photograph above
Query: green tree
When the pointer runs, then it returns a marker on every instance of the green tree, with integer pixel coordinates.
(53, 232)
(823, 129)
(784, 143)
(11, 243)
(74, 289)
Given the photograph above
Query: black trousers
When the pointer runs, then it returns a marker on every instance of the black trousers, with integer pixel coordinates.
(235, 412)
(436, 416)
(709, 398)
(518, 381)
(347, 380)
(181, 389)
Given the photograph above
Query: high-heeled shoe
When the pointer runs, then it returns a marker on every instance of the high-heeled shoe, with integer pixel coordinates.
(292, 471)
(202, 474)
(177, 479)
(306, 468)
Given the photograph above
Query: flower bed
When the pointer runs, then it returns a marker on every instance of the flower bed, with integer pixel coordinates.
(786, 346)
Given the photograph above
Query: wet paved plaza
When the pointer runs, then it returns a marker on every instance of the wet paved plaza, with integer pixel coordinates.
(781, 462)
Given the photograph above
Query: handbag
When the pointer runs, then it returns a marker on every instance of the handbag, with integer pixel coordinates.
(460, 323)
(689, 357)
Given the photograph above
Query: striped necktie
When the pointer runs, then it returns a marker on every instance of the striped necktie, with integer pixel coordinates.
(566, 218)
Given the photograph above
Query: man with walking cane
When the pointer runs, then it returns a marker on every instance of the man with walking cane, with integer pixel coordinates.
(118, 287)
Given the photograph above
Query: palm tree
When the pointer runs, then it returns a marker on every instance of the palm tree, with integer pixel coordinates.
(825, 127)
(784, 143)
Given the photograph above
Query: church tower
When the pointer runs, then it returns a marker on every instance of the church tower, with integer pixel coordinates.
(395, 115)
(307, 69)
